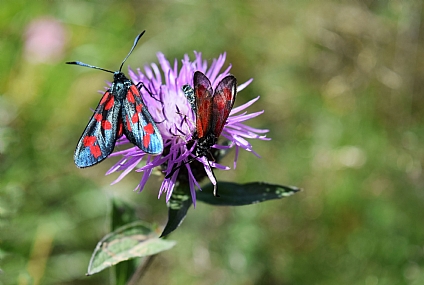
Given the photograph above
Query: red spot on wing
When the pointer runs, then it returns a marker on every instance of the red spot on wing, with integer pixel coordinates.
(120, 128)
(95, 151)
(89, 140)
(110, 103)
(138, 108)
(134, 90)
(98, 117)
(105, 97)
(149, 130)
(128, 124)
(146, 141)
(134, 118)
(130, 97)
(106, 125)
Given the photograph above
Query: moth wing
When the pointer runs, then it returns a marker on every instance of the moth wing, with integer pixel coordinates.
(139, 126)
(99, 137)
(223, 101)
(203, 94)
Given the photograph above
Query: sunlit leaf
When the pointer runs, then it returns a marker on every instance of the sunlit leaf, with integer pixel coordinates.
(137, 239)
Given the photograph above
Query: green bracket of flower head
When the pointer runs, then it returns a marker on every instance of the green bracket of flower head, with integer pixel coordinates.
(234, 194)
(136, 239)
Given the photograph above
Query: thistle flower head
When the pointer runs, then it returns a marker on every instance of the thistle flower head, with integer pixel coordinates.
(176, 121)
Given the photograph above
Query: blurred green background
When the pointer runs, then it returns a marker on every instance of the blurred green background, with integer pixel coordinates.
(341, 85)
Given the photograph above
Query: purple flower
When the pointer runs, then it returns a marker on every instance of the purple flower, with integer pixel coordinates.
(176, 122)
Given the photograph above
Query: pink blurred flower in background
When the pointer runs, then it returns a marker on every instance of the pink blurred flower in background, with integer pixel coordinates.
(45, 39)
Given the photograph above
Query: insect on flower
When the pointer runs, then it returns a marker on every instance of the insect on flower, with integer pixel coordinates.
(178, 126)
(211, 109)
(120, 111)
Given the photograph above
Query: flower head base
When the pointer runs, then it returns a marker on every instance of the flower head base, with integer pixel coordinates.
(176, 121)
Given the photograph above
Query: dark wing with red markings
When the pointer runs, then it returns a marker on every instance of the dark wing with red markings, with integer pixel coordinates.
(223, 101)
(139, 126)
(99, 137)
(203, 94)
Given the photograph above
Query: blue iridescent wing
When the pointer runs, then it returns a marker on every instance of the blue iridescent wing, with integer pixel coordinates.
(99, 137)
(139, 126)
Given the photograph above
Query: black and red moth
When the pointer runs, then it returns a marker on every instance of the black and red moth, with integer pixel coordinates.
(120, 111)
(211, 109)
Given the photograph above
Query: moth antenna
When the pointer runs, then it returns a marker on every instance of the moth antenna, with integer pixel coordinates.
(134, 45)
(87, 65)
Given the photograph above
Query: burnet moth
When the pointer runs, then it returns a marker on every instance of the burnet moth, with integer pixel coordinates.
(121, 111)
(211, 109)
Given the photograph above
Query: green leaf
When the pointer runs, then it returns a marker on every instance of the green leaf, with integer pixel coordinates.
(122, 214)
(234, 194)
(136, 239)
(178, 205)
